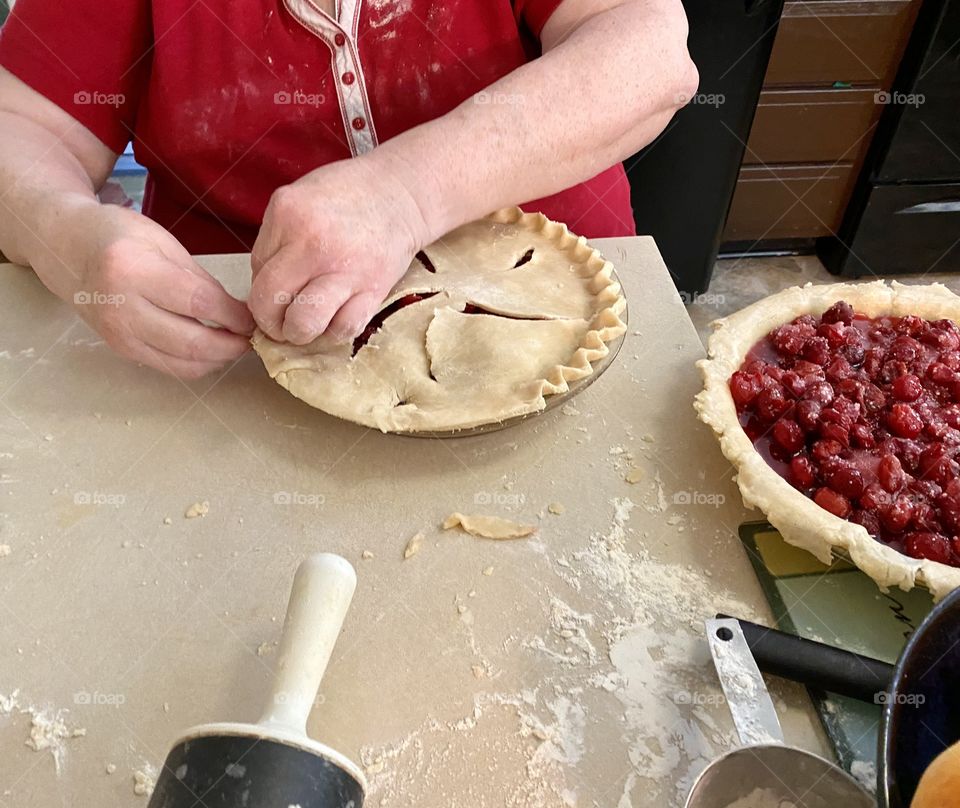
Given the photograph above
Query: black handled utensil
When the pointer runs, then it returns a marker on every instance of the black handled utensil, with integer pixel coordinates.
(815, 663)
(273, 763)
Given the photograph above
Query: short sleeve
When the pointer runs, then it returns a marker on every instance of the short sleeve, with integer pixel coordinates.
(90, 57)
(533, 14)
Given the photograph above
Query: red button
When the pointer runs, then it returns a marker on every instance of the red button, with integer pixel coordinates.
(359, 123)
(340, 39)
(348, 77)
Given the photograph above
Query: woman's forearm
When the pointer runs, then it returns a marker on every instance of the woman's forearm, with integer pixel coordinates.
(601, 94)
(38, 177)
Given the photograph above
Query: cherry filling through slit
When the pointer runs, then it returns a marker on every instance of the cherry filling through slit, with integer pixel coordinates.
(380, 317)
(424, 259)
(863, 416)
(524, 259)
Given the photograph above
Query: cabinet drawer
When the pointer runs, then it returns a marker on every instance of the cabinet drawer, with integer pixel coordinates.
(765, 203)
(812, 126)
(853, 41)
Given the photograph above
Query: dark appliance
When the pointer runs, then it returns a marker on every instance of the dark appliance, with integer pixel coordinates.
(904, 215)
(683, 182)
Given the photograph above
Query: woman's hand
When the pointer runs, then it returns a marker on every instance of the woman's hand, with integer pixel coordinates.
(331, 247)
(141, 291)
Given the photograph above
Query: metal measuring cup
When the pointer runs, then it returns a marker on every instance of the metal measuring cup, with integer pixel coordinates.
(764, 772)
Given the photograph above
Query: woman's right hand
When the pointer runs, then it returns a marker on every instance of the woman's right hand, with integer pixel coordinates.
(136, 285)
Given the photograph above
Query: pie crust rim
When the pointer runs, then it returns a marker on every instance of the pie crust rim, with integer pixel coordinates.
(798, 518)
(605, 327)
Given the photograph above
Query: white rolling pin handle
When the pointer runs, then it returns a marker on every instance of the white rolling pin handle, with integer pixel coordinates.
(322, 590)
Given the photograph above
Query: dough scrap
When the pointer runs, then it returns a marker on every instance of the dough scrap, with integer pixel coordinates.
(200, 509)
(488, 527)
(144, 781)
(413, 546)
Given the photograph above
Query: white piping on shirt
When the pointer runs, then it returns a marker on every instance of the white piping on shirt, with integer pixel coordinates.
(353, 98)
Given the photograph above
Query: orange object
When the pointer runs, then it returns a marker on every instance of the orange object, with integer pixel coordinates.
(940, 785)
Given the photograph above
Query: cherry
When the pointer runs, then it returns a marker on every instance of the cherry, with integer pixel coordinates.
(890, 473)
(874, 399)
(904, 349)
(808, 370)
(910, 324)
(936, 464)
(932, 546)
(808, 414)
(817, 350)
(789, 435)
(744, 388)
(802, 471)
(820, 392)
(941, 374)
(789, 339)
(862, 436)
(903, 421)
(794, 383)
(854, 352)
(834, 502)
(825, 449)
(897, 515)
(839, 369)
(907, 388)
(771, 403)
(848, 481)
(925, 516)
(951, 416)
(874, 498)
(772, 372)
(839, 312)
(835, 431)
(833, 333)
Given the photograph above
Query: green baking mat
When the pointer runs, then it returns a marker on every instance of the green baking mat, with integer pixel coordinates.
(841, 606)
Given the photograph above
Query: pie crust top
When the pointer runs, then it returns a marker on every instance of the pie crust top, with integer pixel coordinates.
(798, 518)
(486, 322)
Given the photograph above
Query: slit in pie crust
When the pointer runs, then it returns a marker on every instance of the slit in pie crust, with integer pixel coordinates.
(486, 323)
(893, 406)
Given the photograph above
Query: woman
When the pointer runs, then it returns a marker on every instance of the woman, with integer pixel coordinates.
(332, 138)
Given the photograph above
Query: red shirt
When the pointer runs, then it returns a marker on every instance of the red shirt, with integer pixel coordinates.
(226, 100)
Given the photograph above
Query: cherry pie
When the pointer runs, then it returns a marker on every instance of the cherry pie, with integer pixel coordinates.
(486, 323)
(840, 406)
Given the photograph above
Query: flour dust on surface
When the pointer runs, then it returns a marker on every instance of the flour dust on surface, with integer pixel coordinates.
(625, 677)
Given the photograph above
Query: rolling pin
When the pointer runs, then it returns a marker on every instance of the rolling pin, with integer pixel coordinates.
(273, 763)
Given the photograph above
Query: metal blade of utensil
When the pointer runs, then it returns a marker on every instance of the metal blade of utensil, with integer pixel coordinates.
(750, 704)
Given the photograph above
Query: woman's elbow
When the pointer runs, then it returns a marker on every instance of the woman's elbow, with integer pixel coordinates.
(686, 81)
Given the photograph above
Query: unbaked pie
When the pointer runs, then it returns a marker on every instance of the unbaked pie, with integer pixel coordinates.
(485, 324)
(840, 407)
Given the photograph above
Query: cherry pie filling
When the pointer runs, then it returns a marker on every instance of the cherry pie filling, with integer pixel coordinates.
(863, 416)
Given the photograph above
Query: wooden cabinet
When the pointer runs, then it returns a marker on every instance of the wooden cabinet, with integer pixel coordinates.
(833, 62)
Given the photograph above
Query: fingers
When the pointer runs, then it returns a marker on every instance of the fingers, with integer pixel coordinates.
(184, 338)
(196, 294)
(311, 309)
(354, 315)
(279, 280)
(185, 369)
